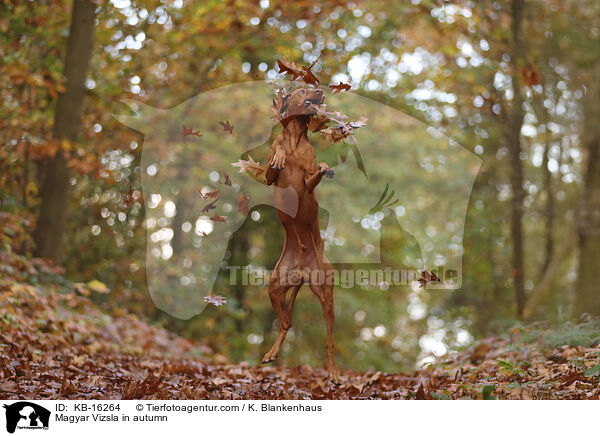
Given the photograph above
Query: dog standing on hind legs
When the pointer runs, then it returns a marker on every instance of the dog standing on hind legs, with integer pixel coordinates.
(293, 163)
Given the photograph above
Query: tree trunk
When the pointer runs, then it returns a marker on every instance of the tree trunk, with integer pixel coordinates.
(516, 165)
(550, 274)
(549, 210)
(240, 246)
(549, 206)
(55, 191)
(587, 297)
(182, 213)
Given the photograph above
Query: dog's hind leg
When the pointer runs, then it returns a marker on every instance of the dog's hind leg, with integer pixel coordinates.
(290, 307)
(277, 293)
(324, 293)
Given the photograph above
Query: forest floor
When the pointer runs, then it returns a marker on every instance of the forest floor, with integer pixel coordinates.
(55, 343)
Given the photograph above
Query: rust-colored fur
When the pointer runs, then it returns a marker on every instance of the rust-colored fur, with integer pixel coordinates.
(293, 163)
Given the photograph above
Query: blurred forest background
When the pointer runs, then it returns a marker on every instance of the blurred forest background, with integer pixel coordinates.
(515, 82)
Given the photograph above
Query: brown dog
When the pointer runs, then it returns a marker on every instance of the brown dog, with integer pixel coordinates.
(293, 163)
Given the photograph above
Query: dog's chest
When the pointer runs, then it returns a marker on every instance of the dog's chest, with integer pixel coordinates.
(300, 156)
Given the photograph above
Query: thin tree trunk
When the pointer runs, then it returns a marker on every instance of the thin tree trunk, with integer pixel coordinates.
(182, 213)
(516, 165)
(240, 246)
(550, 203)
(185, 198)
(587, 295)
(55, 191)
(548, 212)
(25, 176)
(548, 278)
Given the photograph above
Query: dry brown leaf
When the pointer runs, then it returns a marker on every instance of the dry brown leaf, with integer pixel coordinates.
(227, 181)
(227, 127)
(218, 218)
(187, 131)
(340, 87)
(210, 194)
(249, 165)
(242, 203)
(210, 206)
(295, 72)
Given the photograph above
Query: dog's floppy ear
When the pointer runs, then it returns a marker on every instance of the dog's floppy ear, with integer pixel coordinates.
(280, 104)
(284, 106)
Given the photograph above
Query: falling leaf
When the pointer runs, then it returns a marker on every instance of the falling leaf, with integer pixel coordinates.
(210, 194)
(287, 67)
(218, 218)
(210, 206)
(216, 300)
(340, 87)
(227, 127)
(227, 181)
(242, 203)
(309, 77)
(128, 199)
(362, 122)
(206, 236)
(249, 165)
(320, 117)
(187, 131)
(342, 129)
(426, 277)
(305, 73)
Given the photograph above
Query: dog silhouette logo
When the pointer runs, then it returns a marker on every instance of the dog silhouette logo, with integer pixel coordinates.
(26, 415)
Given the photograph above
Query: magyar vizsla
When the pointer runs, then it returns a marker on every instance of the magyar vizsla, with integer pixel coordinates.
(292, 162)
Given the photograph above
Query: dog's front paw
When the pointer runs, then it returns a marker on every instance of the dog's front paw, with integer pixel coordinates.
(326, 171)
(278, 160)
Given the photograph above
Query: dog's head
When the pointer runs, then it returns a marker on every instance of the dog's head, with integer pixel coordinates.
(301, 101)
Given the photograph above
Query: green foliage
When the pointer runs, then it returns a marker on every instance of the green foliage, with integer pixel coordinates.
(511, 367)
(593, 371)
(487, 392)
(439, 396)
(569, 333)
